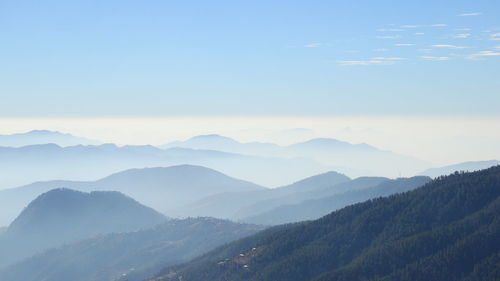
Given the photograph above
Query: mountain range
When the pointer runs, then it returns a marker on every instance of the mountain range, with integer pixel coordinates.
(45, 162)
(445, 230)
(351, 159)
(164, 189)
(44, 137)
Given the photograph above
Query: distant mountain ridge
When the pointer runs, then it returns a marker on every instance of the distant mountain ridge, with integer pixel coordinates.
(351, 159)
(24, 165)
(62, 216)
(43, 137)
(315, 208)
(161, 188)
(470, 166)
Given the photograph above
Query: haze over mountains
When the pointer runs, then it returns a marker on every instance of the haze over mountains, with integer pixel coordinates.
(470, 166)
(445, 230)
(72, 158)
(130, 256)
(164, 189)
(44, 137)
(96, 230)
(352, 159)
(62, 216)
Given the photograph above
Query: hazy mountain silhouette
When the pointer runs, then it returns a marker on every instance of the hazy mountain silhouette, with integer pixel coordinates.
(161, 188)
(226, 205)
(44, 137)
(470, 166)
(446, 230)
(24, 165)
(316, 208)
(63, 215)
(263, 206)
(352, 159)
(131, 256)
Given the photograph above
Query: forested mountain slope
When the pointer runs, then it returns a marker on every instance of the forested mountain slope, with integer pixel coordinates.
(446, 230)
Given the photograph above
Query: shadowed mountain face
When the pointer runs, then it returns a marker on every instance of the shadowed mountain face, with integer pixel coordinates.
(446, 230)
(228, 204)
(161, 188)
(465, 166)
(131, 256)
(44, 137)
(351, 159)
(63, 215)
(316, 208)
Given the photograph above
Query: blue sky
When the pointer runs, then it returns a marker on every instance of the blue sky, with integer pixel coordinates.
(301, 58)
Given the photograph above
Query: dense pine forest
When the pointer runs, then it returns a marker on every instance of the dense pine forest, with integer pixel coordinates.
(446, 230)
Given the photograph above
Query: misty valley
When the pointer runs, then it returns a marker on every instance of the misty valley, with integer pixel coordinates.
(190, 210)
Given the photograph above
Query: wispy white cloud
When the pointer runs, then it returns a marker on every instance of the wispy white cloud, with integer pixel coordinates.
(483, 54)
(388, 37)
(433, 58)
(419, 33)
(448, 46)
(463, 29)
(497, 48)
(358, 62)
(470, 14)
(390, 29)
(381, 50)
(312, 45)
(424, 50)
(388, 58)
(405, 44)
(410, 26)
(495, 36)
(439, 25)
(462, 35)
(372, 61)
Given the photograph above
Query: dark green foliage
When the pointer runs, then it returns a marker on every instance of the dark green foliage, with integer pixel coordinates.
(446, 230)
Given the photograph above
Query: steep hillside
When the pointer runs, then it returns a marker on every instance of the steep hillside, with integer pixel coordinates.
(446, 230)
(130, 256)
(63, 215)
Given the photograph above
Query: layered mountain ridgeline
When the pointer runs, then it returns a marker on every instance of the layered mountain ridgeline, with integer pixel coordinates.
(352, 159)
(161, 188)
(310, 198)
(130, 256)
(470, 166)
(44, 137)
(63, 216)
(446, 230)
(226, 205)
(45, 162)
(316, 208)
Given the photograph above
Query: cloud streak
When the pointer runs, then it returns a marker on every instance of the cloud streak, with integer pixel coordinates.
(312, 45)
(483, 54)
(433, 58)
(470, 14)
(448, 46)
(372, 61)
